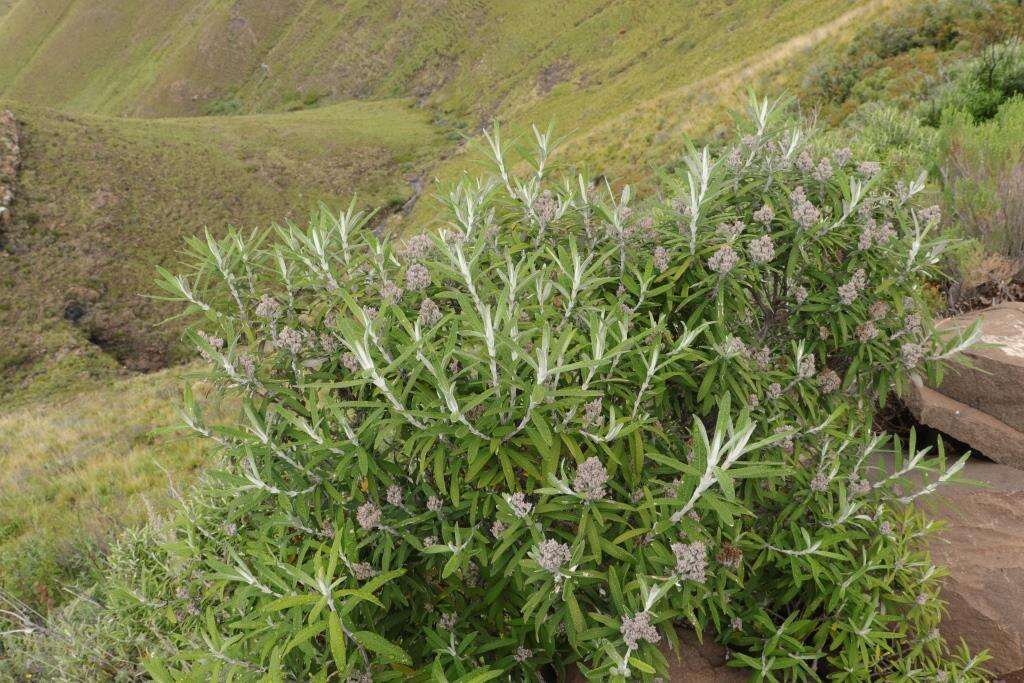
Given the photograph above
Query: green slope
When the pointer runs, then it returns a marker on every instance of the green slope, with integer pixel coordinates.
(101, 201)
(75, 470)
(472, 58)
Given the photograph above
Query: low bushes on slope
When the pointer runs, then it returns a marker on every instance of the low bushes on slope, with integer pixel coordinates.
(562, 425)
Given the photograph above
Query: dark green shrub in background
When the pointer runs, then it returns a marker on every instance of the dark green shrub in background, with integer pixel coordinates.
(978, 87)
(568, 421)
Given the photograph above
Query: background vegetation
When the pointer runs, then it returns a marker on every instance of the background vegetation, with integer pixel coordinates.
(268, 128)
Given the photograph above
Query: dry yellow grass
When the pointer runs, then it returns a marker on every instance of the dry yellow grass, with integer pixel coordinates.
(76, 471)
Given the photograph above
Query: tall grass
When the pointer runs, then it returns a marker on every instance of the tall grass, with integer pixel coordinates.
(74, 472)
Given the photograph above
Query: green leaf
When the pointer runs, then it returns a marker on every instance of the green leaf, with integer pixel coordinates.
(381, 646)
(337, 639)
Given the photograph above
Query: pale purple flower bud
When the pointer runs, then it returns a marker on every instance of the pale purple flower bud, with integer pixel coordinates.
(395, 495)
(885, 233)
(350, 362)
(417, 277)
(860, 278)
(885, 527)
(434, 504)
(804, 162)
(363, 571)
(848, 293)
(878, 310)
(368, 515)
(637, 628)
(289, 339)
(800, 294)
(328, 343)
(268, 307)
(805, 369)
(842, 156)
(860, 487)
(591, 476)
(430, 313)
(805, 213)
(551, 555)
(736, 624)
(390, 292)
(819, 483)
(691, 560)
(911, 354)
(418, 246)
(762, 250)
(545, 208)
(723, 260)
(867, 234)
(498, 528)
(447, 621)
(522, 654)
(661, 259)
(829, 381)
(930, 215)
(248, 365)
(823, 173)
(592, 412)
(735, 159)
(763, 358)
(733, 346)
(921, 599)
(765, 215)
(867, 331)
(869, 168)
(774, 391)
(520, 506)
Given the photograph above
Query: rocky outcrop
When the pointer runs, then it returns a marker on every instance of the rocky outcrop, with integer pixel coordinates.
(10, 160)
(983, 548)
(695, 662)
(982, 404)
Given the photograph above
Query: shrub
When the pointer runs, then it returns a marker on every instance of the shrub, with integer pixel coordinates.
(915, 26)
(103, 632)
(979, 86)
(982, 175)
(894, 137)
(565, 423)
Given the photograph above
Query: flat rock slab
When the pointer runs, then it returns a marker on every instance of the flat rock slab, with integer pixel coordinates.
(983, 548)
(983, 406)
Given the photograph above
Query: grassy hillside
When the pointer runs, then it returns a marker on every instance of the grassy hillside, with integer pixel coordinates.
(580, 62)
(101, 201)
(75, 470)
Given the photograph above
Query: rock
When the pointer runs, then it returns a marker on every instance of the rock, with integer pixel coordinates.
(695, 662)
(983, 548)
(983, 405)
(10, 160)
